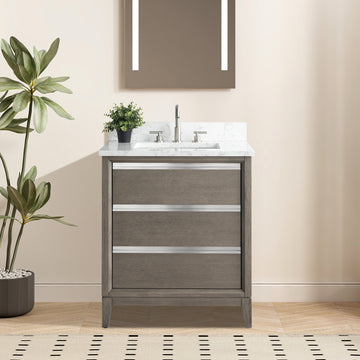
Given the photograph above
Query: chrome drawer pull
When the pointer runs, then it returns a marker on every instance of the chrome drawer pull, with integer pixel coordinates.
(176, 250)
(168, 208)
(176, 166)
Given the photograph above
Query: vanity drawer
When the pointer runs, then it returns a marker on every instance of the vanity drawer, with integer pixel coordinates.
(176, 271)
(176, 228)
(180, 186)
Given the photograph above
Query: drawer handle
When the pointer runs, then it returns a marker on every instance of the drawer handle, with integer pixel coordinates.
(176, 250)
(176, 166)
(168, 208)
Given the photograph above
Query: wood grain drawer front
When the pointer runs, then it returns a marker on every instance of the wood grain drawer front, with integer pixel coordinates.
(176, 229)
(176, 271)
(179, 186)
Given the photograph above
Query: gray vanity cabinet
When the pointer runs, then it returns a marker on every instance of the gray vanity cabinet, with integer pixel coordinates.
(176, 231)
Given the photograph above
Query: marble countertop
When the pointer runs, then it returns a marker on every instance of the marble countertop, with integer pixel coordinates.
(230, 139)
(113, 148)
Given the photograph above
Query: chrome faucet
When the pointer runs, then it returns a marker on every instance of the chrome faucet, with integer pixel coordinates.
(177, 134)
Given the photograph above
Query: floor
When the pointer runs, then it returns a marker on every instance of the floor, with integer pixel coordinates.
(268, 318)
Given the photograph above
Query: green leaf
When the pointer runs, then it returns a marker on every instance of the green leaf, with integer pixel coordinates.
(42, 216)
(29, 192)
(18, 121)
(17, 200)
(6, 102)
(42, 80)
(57, 108)
(21, 101)
(44, 196)
(37, 60)
(31, 174)
(27, 77)
(50, 54)
(43, 192)
(47, 217)
(61, 78)
(47, 88)
(3, 192)
(18, 129)
(42, 54)
(62, 88)
(3, 97)
(40, 117)
(7, 118)
(40, 188)
(9, 217)
(9, 84)
(48, 84)
(6, 48)
(18, 46)
(13, 65)
(29, 65)
(10, 58)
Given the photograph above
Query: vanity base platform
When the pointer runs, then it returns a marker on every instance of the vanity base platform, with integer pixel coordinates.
(109, 302)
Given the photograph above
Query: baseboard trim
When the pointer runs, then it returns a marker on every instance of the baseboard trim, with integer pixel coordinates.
(306, 291)
(262, 292)
(68, 292)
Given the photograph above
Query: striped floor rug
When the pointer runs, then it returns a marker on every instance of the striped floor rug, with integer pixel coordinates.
(180, 347)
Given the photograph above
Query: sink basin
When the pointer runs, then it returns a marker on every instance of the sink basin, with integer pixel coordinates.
(176, 146)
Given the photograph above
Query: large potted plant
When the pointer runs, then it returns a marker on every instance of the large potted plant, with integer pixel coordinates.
(25, 197)
(125, 118)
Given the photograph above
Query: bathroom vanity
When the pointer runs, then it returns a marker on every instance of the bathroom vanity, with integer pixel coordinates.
(177, 218)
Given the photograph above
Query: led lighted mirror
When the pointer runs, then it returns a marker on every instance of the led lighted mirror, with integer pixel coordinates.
(180, 44)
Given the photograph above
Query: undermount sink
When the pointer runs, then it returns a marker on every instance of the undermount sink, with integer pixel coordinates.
(178, 146)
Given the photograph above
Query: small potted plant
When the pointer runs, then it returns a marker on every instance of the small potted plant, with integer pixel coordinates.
(24, 197)
(124, 119)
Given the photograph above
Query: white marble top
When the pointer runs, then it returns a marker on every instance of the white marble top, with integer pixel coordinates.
(222, 139)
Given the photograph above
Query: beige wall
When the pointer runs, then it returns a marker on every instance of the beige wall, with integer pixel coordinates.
(297, 88)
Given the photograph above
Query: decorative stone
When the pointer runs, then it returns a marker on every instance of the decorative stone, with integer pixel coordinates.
(15, 274)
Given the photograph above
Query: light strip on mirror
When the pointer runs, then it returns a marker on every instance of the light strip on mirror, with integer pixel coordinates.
(224, 35)
(135, 35)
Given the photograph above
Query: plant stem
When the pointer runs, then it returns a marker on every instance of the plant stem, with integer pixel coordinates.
(26, 138)
(23, 167)
(4, 221)
(16, 246)
(8, 200)
(5, 169)
(10, 230)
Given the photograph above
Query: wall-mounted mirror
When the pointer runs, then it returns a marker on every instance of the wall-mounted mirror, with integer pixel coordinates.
(187, 44)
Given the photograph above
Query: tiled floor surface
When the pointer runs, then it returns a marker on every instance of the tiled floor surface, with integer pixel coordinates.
(268, 318)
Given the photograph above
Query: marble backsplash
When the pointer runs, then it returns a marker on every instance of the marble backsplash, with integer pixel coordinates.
(227, 132)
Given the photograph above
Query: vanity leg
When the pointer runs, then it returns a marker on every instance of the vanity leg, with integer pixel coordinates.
(106, 311)
(246, 310)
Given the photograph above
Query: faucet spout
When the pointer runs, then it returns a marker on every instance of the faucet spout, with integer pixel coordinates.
(177, 135)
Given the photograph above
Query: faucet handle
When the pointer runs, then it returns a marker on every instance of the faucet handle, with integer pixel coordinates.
(196, 135)
(159, 137)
